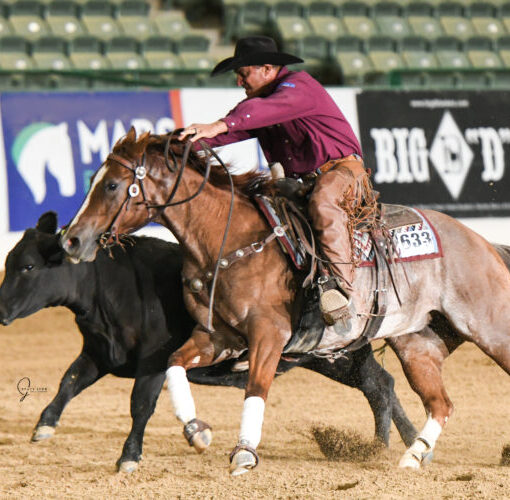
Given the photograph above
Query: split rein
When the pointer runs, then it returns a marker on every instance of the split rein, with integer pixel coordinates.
(111, 236)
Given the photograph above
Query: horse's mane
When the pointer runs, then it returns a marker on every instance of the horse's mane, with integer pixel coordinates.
(131, 147)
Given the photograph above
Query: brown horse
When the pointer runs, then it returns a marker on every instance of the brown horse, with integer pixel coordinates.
(461, 296)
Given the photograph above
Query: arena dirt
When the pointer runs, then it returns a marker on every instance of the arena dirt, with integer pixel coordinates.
(79, 461)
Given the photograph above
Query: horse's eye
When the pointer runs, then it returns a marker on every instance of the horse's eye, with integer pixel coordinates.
(27, 268)
(111, 186)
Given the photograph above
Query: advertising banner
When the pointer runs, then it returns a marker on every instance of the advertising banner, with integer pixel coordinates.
(448, 151)
(54, 142)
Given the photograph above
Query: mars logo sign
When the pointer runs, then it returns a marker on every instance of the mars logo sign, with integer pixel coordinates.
(451, 158)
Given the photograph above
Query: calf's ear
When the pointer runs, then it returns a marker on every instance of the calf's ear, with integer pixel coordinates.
(47, 223)
(51, 251)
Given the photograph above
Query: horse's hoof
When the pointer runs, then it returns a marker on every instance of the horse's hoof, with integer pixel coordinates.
(242, 462)
(42, 432)
(427, 457)
(127, 467)
(410, 461)
(201, 440)
(198, 434)
(242, 459)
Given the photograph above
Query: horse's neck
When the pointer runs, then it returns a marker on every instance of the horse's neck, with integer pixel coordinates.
(199, 225)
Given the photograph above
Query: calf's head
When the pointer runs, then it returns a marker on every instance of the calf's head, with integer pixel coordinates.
(33, 272)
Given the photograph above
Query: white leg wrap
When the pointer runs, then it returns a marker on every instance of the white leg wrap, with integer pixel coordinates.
(252, 419)
(180, 394)
(431, 432)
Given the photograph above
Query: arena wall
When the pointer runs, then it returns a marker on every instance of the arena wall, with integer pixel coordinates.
(53, 142)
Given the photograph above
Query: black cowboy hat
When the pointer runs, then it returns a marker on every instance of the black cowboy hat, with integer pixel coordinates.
(254, 51)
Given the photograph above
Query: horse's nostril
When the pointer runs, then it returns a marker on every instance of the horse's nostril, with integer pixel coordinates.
(72, 244)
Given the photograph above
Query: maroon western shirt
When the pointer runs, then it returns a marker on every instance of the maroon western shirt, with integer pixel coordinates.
(297, 124)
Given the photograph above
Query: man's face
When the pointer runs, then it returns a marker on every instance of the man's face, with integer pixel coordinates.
(255, 78)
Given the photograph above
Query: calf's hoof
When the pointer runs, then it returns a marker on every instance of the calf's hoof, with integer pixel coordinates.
(127, 467)
(242, 459)
(198, 434)
(42, 432)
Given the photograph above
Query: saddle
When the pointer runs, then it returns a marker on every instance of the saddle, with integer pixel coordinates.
(285, 211)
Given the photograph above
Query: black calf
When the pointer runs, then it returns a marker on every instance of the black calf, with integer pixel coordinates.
(131, 314)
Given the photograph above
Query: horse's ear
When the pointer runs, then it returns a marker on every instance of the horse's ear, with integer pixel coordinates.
(131, 135)
(47, 223)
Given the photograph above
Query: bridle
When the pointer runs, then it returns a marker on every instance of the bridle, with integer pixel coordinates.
(111, 236)
(140, 171)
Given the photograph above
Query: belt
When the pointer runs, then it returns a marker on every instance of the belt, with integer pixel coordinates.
(329, 165)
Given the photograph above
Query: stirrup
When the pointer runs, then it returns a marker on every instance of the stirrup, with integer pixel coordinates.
(334, 306)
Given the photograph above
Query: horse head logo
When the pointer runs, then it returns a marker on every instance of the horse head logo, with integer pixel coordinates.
(42, 146)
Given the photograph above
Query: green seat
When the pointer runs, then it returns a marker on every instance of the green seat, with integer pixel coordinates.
(453, 22)
(62, 18)
(352, 63)
(123, 52)
(327, 26)
(480, 53)
(315, 51)
(14, 53)
(389, 20)
(420, 16)
(416, 54)
(484, 18)
(173, 24)
(355, 16)
(159, 53)
(290, 28)
(384, 58)
(86, 52)
(26, 19)
(449, 53)
(50, 52)
(97, 17)
(193, 42)
(133, 18)
(253, 18)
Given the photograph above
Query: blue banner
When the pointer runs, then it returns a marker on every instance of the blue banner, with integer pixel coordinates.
(54, 142)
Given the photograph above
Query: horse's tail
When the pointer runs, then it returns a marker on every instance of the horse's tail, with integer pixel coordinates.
(504, 253)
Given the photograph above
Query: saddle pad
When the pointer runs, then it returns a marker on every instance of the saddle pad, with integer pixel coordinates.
(415, 241)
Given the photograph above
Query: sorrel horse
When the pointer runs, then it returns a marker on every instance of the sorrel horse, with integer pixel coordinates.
(461, 296)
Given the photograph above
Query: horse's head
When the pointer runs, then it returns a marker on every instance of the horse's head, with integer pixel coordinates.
(117, 200)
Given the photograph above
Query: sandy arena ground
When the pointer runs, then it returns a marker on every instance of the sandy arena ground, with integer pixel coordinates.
(79, 461)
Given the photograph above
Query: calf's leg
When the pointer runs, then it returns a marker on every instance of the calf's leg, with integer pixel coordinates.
(82, 373)
(144, 396)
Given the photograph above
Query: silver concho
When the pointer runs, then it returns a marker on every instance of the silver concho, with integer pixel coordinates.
(279, 231)
(240, 253)
(140, 172)
(133, 190)
(224, 263)
(196, 285)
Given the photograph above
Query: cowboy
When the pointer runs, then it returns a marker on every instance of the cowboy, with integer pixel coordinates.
(299, 126)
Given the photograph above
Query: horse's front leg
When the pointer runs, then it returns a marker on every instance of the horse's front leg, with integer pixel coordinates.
(195, 352)
(422, 355)
(266, 343)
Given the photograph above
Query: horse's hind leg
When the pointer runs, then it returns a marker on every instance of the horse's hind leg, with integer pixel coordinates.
(422, 355)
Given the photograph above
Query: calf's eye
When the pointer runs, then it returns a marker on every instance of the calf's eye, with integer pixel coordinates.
(27, 268)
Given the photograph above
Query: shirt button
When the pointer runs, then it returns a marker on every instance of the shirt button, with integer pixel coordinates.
(295, 176)
(248, 116)
(289, 158)
(232, 123)
(286, 141)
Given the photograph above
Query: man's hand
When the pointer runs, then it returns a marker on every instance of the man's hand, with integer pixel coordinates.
(207, 130)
